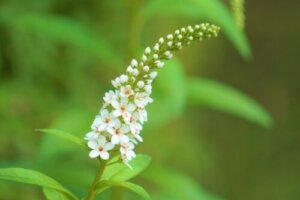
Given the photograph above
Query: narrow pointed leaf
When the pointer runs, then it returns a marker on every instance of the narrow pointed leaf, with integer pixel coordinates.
(221, 97)
(33, 177)
(104, 185)
(52, 194)
(64, 135)
(121, 172)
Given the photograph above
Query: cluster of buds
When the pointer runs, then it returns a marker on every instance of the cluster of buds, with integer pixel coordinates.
(118, 125)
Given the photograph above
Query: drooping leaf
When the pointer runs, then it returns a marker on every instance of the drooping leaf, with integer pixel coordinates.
(35, 178)
(216, 95)
(211, 10)
(169, 94)
(104, 185)
(121, 172)
(62, 29)
(52, 194)
(175, 185)
(64, 135)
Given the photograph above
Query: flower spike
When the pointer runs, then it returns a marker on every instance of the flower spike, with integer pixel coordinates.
(123, 113)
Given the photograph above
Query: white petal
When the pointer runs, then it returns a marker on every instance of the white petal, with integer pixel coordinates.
(125, 129)
(117, 113)
(93, 144)
(104, 155)
(108, 146)
(124, 139)
(101, 140)
(115, 104)
(115, 139)
(94, 153)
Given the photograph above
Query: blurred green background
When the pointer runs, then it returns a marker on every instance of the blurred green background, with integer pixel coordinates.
(208, 137)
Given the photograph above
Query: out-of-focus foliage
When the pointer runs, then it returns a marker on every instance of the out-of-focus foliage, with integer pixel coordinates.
(57, 59)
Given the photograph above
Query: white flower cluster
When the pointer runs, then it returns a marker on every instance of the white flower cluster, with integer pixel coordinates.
(123, 114)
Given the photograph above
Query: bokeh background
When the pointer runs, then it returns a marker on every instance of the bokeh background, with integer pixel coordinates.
(209, 134)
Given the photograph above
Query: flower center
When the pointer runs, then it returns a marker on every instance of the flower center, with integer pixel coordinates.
(100, 149)
(123, 108)
(106, 120)
(118, 131)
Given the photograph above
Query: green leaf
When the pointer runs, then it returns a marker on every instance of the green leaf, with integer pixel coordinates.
(211, 10)
(121, 172)
(62, 29)
(52, 194)
(216, 95)
(175, 185)
(169, 96)
(33, 177)
(103, 185)
(64, 135)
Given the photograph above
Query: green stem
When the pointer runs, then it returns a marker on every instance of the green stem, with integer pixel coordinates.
(97, 178)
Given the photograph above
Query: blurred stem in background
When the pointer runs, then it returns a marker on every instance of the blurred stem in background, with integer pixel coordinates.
(136, 24)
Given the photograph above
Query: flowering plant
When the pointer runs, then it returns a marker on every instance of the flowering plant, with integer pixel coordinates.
(120, 120)
(116, 130)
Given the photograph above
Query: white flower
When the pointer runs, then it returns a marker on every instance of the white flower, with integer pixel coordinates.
(123, 78)
(123, 108)
(126, 91)
(142, 114)
(116, 83)
(147, 51)
(170, 37)
(146, 68)
(118, 133)
(140, 84)
(134, 63)
(156, 47)
(127, 152)
(142, 99)
(135, 72)
(134, 125)
(109, 97)
(100, 147)
(161, 40)
(102, 122)
(153, 75)
(148, 89)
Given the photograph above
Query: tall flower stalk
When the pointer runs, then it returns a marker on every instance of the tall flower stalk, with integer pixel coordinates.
(118, 125)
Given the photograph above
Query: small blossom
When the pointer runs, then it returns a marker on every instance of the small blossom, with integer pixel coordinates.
(153, 75)
(126, 91)
(123, 78)
(170, 37)
(102, 122)
(109, 97)
(100, 148)
(118, 133)
(155, 56)
(146, 68)
(140, 84)
(147, 50)
(134, 63)
(135, 72)
(142, 99)
(156, 47)
(123, 108)
(161, 40)
(127, 151)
